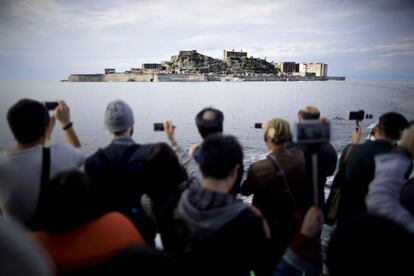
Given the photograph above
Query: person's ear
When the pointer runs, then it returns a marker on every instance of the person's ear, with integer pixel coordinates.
(235, 171)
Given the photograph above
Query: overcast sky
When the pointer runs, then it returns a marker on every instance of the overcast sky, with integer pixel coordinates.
(50, 39)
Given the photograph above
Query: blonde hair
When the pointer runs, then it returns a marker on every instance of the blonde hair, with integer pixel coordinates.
(277, 131)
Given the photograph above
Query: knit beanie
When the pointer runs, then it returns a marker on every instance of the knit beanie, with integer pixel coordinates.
(118, 116)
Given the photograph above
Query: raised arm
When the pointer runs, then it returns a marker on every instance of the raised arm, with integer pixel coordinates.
(62, 114)
(185, 159)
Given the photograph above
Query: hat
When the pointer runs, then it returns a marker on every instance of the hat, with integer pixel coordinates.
(118, 116)
(277, 130)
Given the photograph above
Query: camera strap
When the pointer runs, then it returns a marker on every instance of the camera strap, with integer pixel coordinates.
(281, 173)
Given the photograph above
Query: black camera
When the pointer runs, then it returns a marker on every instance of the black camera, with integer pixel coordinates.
(311, 132)
(158, 126)
(258, 125)
(359, 115)
(50, 105)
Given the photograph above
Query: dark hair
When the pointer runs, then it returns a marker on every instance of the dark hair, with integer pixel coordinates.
(65, 202)
(219, 155)
(207, 127)
(369, 245)
(28, 120)
(163, 172)
(392, 124)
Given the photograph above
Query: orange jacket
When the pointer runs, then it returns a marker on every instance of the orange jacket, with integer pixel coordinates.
(91, 243)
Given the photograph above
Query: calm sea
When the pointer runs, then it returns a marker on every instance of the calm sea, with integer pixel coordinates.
(243, 104)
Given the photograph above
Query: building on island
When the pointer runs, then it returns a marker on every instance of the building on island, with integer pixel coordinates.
(136, 70)
(229, 55)
(187, 53)
(151, 67)
(109, 71)
(320, 69)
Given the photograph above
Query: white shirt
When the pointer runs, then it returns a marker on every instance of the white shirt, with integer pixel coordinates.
(20, 176)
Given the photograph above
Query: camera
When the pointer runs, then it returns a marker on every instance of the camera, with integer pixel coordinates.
(359, 115)
(311, 132)
(158, 126)
(258, 125)
(50, 105)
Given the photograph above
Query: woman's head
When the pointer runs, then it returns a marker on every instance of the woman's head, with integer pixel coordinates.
(276, 131)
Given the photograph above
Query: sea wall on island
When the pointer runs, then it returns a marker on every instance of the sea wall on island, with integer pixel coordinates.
(142, 77)
(86, 77)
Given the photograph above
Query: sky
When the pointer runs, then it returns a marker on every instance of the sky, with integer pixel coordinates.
(359, 39)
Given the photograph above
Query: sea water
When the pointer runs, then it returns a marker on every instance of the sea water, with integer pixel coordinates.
(243, 104)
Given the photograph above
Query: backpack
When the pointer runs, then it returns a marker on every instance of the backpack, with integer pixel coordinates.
(116, 173)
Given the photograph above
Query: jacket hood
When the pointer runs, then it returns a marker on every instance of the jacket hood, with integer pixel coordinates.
(203, 223)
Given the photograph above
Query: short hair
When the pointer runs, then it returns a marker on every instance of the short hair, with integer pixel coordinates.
(66, 202)
(28, 120)
(209, 121)
(219, 155)
(309, 113)
(392, 124)
(161, 186)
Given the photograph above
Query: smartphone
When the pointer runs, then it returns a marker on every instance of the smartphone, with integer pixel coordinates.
(50, 105)
(258, 125)
(356, 115)
(158, 127)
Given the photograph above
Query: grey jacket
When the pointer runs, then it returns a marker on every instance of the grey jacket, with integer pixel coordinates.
(384, 190)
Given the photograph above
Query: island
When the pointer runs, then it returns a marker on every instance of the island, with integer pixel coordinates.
(191, 66)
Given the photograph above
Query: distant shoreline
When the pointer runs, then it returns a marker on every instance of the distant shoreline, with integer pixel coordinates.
(170, 77)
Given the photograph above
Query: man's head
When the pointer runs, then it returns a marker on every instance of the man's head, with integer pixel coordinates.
(28, 121)
(220, 156)
(391, 125)
(209, 121)
(276, 131)
(118, 117)
(308, 113)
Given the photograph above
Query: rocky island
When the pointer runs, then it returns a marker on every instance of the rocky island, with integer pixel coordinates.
(193, 66)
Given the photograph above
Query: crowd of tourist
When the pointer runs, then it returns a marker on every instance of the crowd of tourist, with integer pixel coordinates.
(67, 214)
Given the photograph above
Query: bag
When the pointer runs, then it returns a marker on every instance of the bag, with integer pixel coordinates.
(332, 203)
(116, 173)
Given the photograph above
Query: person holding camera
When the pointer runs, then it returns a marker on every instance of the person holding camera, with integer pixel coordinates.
(277, 185)
(360, 164)
(25, 169)
(116, 171)
(391, 170)
(210, 121)
(327, 158)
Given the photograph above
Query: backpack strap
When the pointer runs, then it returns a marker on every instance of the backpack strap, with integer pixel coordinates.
(45, 169)
(348, 152)
(44, 180)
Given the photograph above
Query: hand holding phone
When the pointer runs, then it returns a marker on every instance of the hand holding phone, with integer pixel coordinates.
(50, 105)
